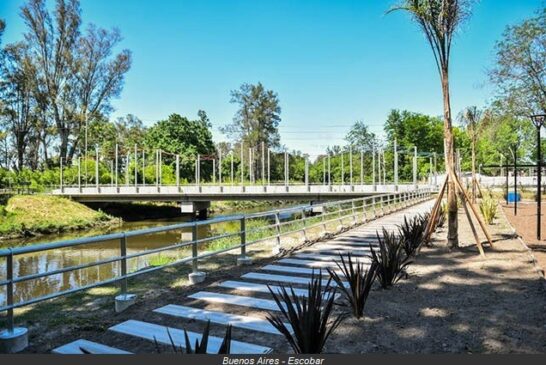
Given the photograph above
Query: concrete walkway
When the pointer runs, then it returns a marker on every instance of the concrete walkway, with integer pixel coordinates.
(245, 302)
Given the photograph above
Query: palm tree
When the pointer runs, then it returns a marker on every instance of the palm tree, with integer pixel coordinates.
(439, 20)
(471, 118)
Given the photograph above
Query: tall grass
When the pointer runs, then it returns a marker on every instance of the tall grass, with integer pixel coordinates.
(488, 208)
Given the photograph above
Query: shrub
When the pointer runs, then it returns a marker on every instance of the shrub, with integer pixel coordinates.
(488, 208)
(391, 259)
(360, 282)
(309, 318)
(412, 233)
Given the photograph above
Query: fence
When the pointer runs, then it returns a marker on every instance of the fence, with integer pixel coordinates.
(300, 219)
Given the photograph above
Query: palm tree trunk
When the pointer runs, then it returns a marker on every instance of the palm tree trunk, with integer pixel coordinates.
(474, 181)
(452, 234)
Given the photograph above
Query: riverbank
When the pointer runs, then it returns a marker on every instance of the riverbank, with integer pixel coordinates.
(36, 215)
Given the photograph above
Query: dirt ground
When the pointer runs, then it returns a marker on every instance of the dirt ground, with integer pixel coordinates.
(525, 225)
(456, 301)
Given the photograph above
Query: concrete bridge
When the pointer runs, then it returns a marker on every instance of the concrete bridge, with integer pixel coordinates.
(197, 198)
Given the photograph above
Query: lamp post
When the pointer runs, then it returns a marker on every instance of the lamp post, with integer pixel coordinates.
(538, 121)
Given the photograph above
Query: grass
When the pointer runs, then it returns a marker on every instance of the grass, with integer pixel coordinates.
(40, 214)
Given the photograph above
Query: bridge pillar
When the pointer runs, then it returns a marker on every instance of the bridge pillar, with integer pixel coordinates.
(200, 208)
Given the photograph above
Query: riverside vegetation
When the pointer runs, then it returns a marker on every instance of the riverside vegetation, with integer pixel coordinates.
(28, 215)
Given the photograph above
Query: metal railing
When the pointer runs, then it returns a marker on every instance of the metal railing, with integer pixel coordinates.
(302, 219)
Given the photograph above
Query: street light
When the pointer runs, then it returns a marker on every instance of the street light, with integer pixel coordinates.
(538, 121)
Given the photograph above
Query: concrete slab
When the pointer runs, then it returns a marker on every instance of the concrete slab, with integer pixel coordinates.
(246, 322)
(151, 332)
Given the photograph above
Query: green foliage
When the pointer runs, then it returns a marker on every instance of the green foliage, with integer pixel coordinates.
(309, 317)
(360, 282)
(391, 260)
(519, 72)
(488, 208)
(361, 137)
(46, 214)
(258, 117)
(412, 232)
(178, 135)
(160, 260)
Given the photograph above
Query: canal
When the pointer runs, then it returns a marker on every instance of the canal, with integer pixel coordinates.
(55, 259)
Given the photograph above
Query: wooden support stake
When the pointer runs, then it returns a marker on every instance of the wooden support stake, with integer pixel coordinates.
(435, 209)
(476, 214)
(472, 227)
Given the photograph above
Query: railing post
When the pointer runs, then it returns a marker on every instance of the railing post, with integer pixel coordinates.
(61, 174)
(277, 248)
(123, 300)
(374, 211)
(79, 174)
(10, 290)
(178, 171)
(123, 254)
(353, 209)
(303, 218)
(364, 215)
(340, 227)
(324, 229)
(243, 259)
(195, 276)
(12, 339)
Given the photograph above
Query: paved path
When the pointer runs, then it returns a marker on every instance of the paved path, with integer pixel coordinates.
(244, 302)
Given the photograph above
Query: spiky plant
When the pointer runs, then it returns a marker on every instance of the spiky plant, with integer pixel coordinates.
(308, 317)
(391, 259)
(360, 282)
(488, 207)
(200, 347)
(412, 232)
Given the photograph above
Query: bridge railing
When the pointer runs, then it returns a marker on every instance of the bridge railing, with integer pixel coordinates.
(246, 230)
(230, 189)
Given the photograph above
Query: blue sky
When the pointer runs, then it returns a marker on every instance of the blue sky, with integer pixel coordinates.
(331, 62)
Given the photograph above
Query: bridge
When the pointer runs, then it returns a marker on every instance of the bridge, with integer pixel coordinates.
(197, 198)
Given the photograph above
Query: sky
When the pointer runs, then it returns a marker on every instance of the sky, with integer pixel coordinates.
(332, 63)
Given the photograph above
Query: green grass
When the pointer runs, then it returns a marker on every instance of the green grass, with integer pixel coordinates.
(40, 214)
(160, 260)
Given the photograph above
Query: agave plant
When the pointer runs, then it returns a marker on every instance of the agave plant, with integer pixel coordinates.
(391, 260)
(412, 232)
(308, 317)
(200, 347)
(360, 282)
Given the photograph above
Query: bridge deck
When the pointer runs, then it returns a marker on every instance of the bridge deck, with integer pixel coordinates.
(196, 193)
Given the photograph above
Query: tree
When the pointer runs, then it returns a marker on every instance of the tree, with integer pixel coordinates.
(257, 119)
(360, 136)
(74, 73)
(17, 85)
(471, 118)
(178, 135)
(411, 130)
(439, 20)
(520, 71)
(97, 77)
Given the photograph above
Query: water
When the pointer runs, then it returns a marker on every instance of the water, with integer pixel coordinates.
(47, 261)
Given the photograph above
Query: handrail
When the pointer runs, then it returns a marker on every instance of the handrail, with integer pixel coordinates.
(343, 209)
